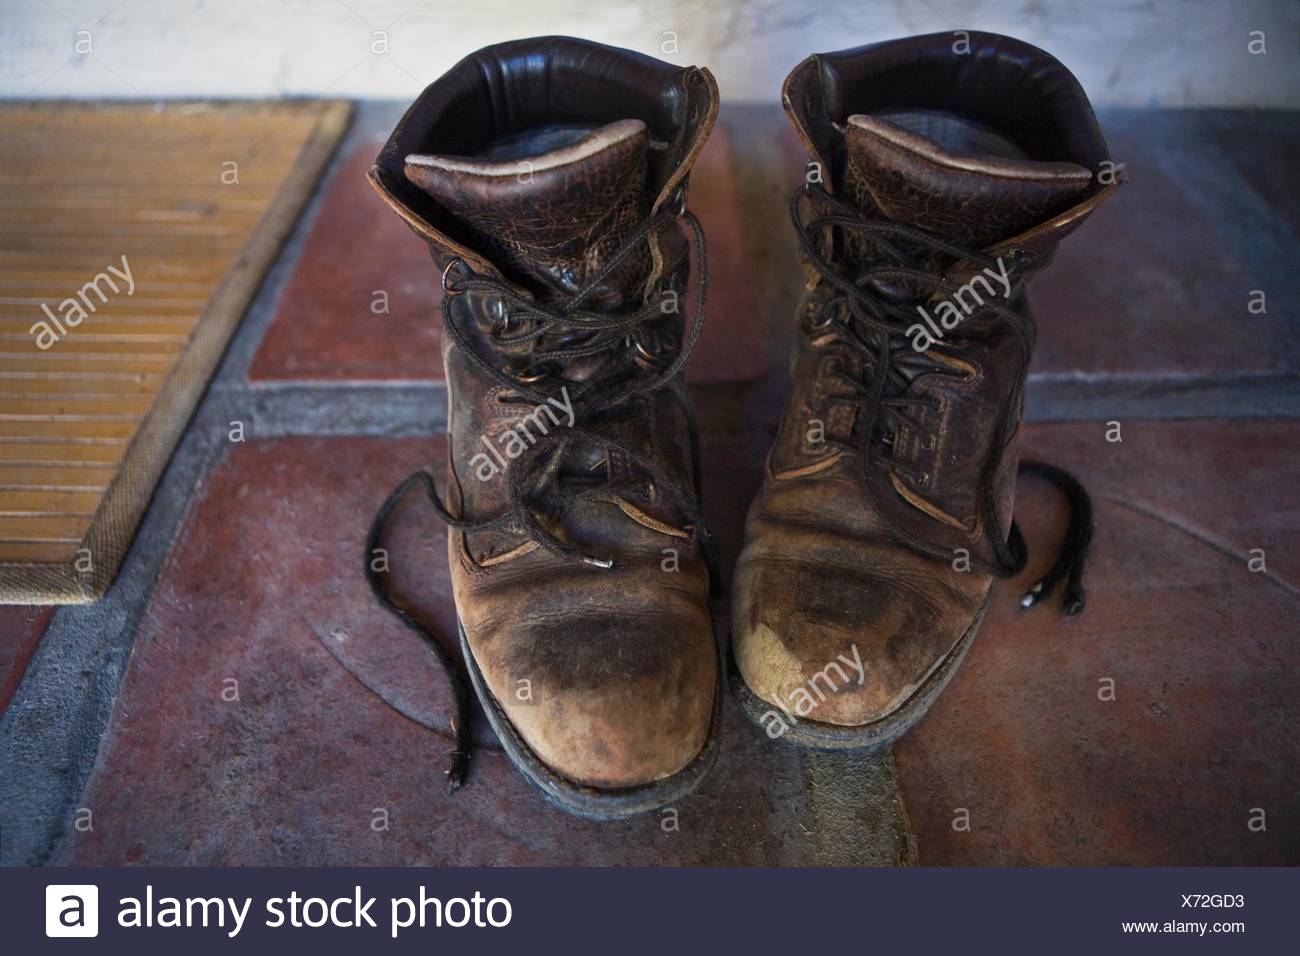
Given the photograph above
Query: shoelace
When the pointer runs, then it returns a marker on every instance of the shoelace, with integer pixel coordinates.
(876, 329)
(573, 332)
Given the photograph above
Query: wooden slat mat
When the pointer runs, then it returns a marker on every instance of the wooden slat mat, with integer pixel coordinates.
(132, 239)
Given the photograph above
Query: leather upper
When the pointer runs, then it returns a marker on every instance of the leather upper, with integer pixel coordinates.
(876, 524)
(536, 161)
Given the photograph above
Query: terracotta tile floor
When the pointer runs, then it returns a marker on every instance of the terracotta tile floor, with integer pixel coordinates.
(334, 750)
(339, 709)
(1173, 301)
(1199, 730)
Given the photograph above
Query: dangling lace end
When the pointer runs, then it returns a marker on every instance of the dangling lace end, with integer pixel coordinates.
(1074, 550)
(1072, 603)
(460, 727)
(457, 771)
(603, 563)
(1075, 596)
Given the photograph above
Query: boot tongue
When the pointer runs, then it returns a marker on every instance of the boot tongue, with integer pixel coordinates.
(960, 181)
(552, 219)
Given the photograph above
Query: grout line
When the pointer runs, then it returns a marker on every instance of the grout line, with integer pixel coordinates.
(357, 410)
(1059, 399)
(860, 818)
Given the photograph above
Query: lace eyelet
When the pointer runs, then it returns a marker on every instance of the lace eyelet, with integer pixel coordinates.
(824, 318)
(519, 372)
(650, 350)
(677, 202)
(1022, 257)
(446, 274)
(501, 317)
(821, 319)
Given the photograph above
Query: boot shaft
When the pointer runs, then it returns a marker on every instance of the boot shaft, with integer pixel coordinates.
(637, 123)
(547, 177)
(943, 172)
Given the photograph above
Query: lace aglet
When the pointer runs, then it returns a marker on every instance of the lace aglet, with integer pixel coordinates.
(603, 563)
(456, 772)
(1072, 602)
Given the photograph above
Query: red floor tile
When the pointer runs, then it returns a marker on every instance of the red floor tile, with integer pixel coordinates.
(1203, 653)
(20, 631)
(1118, 300)
(336, 697)
(358, 251)
(324, 327)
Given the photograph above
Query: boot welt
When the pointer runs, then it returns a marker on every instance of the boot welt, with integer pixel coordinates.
(818, 735)
(582, 800)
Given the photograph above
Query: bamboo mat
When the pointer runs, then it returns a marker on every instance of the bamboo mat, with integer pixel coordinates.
(132, 239)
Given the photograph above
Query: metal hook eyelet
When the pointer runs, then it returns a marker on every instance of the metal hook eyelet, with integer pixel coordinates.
(823, 319)
(502, 321)
(819, 317)
(679, 202)
(446, 271)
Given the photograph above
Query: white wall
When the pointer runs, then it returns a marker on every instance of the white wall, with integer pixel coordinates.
(1158, 52)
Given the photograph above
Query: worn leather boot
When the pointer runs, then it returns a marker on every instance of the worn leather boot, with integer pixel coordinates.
(548, 177)
(944, 172)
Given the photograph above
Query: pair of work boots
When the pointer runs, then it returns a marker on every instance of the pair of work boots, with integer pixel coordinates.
(549, 177)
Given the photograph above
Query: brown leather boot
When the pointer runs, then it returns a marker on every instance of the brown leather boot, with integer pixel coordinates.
(548, 177)
(942, 176)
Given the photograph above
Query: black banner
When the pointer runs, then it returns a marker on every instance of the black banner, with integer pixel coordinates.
(649, 911)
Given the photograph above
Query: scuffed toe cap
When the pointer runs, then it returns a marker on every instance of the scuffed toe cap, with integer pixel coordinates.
(605, 701)
(843, 645)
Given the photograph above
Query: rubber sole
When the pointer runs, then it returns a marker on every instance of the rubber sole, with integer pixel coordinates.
(817, 735)
(594, 803)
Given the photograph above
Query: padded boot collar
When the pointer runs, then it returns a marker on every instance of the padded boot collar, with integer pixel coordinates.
(505, 89)
(1003, 83)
